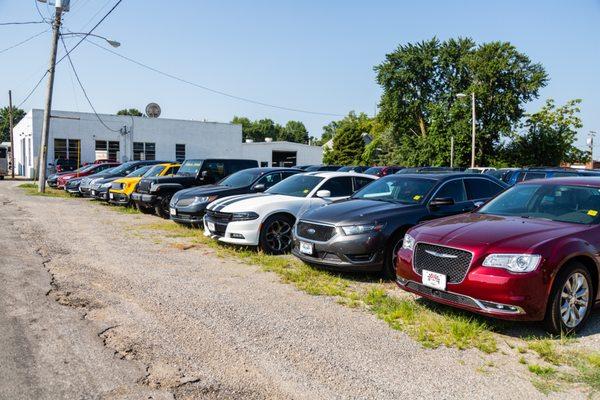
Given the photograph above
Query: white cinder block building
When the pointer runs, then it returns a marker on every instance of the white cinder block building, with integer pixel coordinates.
(82, 137)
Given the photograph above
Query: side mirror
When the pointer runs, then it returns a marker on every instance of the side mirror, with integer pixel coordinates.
(323, 194)
(441, 201)
(203, 175)
(260, 187)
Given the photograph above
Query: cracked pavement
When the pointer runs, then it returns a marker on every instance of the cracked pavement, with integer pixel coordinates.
(90, 311)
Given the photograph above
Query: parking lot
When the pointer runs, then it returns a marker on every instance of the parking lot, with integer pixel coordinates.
(106, 304)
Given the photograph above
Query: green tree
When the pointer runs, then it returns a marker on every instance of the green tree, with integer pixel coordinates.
(132, 111)
(294, 131)
(18, 115)
(419, 104)
(348, 140)
(549, 137)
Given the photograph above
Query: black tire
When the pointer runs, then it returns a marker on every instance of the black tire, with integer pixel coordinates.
(143, 210)
(389, 258)
(1, 177)
(162, 209)
(554, 321)
(276, 234)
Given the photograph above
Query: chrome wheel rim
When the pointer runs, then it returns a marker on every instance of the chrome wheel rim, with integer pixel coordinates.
(279, 235)
(574, 300)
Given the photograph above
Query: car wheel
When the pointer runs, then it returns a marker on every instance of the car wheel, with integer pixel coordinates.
(276, 235)
(570, 301)
(142, 209)
(391, 253)
(162, 210)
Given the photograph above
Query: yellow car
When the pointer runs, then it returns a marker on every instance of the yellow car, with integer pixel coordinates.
(121, 189)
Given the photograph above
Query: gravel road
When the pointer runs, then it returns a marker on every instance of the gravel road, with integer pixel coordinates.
(91, 310)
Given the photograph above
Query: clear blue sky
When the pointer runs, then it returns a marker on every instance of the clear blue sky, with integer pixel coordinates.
(314, 55)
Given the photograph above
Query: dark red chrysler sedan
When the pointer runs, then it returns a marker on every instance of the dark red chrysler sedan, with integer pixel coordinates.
(532, 253)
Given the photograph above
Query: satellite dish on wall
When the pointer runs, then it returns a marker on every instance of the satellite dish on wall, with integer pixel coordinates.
(153, 110)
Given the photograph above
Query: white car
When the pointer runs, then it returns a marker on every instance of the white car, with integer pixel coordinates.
(266, 219)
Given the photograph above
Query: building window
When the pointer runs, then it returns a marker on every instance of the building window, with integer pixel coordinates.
(110, 148)
(67, 149)
(180, 152)
(144, 151)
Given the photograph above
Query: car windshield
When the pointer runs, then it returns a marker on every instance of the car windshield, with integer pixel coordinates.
(396, 189)
(346, 169)
(240, 179)
(153, 170)
(298, 185)
(139, 172)
(373, 171)
(562, 203)
(190, 168)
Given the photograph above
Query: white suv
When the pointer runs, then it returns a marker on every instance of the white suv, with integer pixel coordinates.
(266, 219)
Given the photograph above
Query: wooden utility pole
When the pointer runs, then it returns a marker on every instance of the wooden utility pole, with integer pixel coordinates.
(12, 140)
(47, 110)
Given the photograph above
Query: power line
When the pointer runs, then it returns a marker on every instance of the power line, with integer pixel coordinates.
(219, 92)
(37, 7)
(22, 23)
(24, 41)
(90, 31)
(68, 52)
(83, 88)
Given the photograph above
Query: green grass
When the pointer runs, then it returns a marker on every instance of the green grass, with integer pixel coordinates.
(32, 190)
(540, 370)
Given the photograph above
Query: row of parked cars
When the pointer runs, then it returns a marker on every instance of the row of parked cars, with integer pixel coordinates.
(475, 240)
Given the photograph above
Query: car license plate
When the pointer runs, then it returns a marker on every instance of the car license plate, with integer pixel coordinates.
(434, 280)
(210, 226)
(111, 195)
(93, 192)
(172, 211)
(306, 248)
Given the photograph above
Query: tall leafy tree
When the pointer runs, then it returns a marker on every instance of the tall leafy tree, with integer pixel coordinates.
(549, 137)
(419, 104)
(131, 111)
(294, 131)
(348, 140)
(18, 115)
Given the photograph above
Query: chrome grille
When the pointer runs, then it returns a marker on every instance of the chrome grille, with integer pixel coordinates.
(454, 263)
(320, 233)
(185, 201)
(144, 186)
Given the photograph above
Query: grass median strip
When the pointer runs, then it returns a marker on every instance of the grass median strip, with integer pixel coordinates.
(32, 190)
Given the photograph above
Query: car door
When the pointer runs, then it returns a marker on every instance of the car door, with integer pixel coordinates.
(480, 190)
(455, 190)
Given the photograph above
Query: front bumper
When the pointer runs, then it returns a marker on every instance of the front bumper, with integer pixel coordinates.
(353, 253)
(192, 214)
(99, 194)
(147, 200)
(118, 198)
(248, 230)
(487, 291)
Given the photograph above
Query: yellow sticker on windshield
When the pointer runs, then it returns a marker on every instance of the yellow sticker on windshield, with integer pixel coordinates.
(592, 213)
(306, 190)
(417, 197)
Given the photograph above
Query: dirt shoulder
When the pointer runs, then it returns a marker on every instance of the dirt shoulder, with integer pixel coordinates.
(144, 316)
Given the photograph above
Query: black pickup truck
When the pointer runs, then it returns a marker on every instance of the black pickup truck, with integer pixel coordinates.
(154, 194)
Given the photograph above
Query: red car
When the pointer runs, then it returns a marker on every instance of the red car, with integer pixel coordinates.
(382, 171)
(84, 171)
(532, 253)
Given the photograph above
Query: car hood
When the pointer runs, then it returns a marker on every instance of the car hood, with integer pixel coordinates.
(106, 180)
(206, 190)
(352, 211)
(252, 202)
(494, 230)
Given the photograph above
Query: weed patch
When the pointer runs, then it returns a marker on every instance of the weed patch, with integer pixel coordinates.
(32, 190)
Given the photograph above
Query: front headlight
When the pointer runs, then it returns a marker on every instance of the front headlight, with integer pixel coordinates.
(358, 229)
(123, 186)
(408, 242)
(513, 262)
(205, 199)
(153, 186)
(244, 216)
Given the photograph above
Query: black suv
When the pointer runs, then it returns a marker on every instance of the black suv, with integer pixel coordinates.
(364, 232)
(155, 193)
(189, 205)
